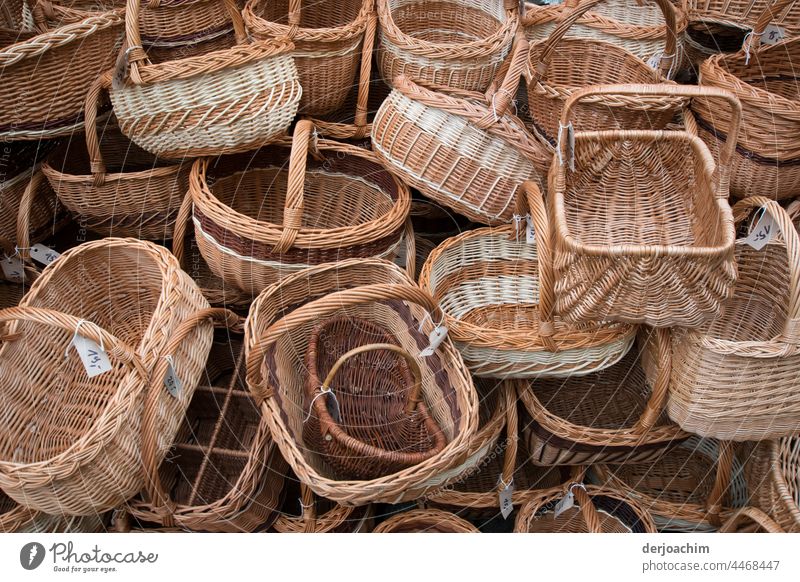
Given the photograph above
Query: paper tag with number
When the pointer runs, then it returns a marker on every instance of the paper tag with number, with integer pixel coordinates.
(566, 503)
(530, 234)
(14, 269)
(44, 255)
(762, 232)
(507, 500)
(435, 339)
(171, 380)
(772, 34)
(655, 61)
(93, 357)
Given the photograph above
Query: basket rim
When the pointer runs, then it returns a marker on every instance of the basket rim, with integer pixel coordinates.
(330, 34)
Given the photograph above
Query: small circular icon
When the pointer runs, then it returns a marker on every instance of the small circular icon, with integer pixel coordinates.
(31, 555)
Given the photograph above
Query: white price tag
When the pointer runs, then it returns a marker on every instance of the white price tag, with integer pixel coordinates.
(773, 34)
(14, 269)
(93, 357)
(654, 61)
(171, 380)
(530, 234)
(507, 500)
(435, 339)
(763, 232)
(43, 255)
(566, 503)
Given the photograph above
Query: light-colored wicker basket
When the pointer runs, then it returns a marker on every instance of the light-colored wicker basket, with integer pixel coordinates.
(278, 332)
(455, 43)
(224, 101)
(773, 479)
(71, 444)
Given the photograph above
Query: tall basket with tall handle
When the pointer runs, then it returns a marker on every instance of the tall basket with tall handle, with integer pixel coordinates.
(642, 228)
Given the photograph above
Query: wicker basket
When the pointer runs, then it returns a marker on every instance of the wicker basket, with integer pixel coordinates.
(318, 515)
(16, 15)
(15, 518)
(226, 101)
(594, 510)
(70, 443)
(278, 332)
(496, 292)
(462, 150)
(638, 28)
(744, 13)
(46, 76)
(738, 377)
(750, 520)
(425, 521)
(118, 189)
(223, 472)
(455, 43)
(327, 35)
(689, 489)
(643, 232)
(767, 157)
(773, 479)
(615, 415)
(561, 66)
(183, 23)
(251, 245)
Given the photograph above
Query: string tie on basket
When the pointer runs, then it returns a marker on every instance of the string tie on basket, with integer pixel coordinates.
(435, 337)
(303, 505)
(494, 105)
(502, 482)
(75, 336)
(323, 390)
(517, 218)
(748, 41)
(570, 145)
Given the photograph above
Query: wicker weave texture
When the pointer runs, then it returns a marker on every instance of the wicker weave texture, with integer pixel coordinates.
(773, 480)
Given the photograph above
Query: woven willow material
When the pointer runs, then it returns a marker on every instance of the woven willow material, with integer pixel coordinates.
(224, 472)
(71, 444)
(562, 66)
(455, 43)
(46, 76)
(765, 80)
(366, 417)
(688, 489)
(596, 510)
(15, 518)
(327, 35)
(307, 221)
(318, 515)
(638, 27)
(278, 332)
(16, 15)
(643, 231)
(773, 478)
(738, 376)
(744, 13)
(750, 520)
(118, 188)
(221, 102)
(165, 23)
(29, 210)
(496, 291)
(425, 521)
(462, 150)
(611, 416)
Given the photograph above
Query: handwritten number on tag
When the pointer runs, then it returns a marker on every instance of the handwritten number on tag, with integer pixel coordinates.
(171, 380)
(763, 232)
(566, 503)
(94, 358)
(44, 255)
(773, 34)
(507, 500)
(13, 269)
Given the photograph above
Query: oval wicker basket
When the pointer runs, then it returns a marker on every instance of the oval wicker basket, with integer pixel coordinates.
(118, 189)
(744, 13)
(560, 67)
(496, 293)
(773, 479)
(225, 101)
(251, 244)
(425, 521)
(767, 158)
(183, 23)
(46, 76)
(595, 510)
(462, 150)
(642, 228)
(638, 28)
(615, 415)
(455, 43)
(738, 377)
(278, 332)
(691, 488)
(71, 443)
(327, 36)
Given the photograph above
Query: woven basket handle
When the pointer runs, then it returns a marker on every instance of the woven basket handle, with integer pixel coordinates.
(753, 40)
(96, 164)
(512, 437)
(551, 44)
(23, 245)
(323, 307)
(791, 240)
(414, 395)
(750, 514)
(183, 218)
(588, 510)
(722, 482)
(410, 243)
(154, 488)
(533, 202)
(501, 92)
(294, 17)
(625, 92)
(658, 395)
(137, 54)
